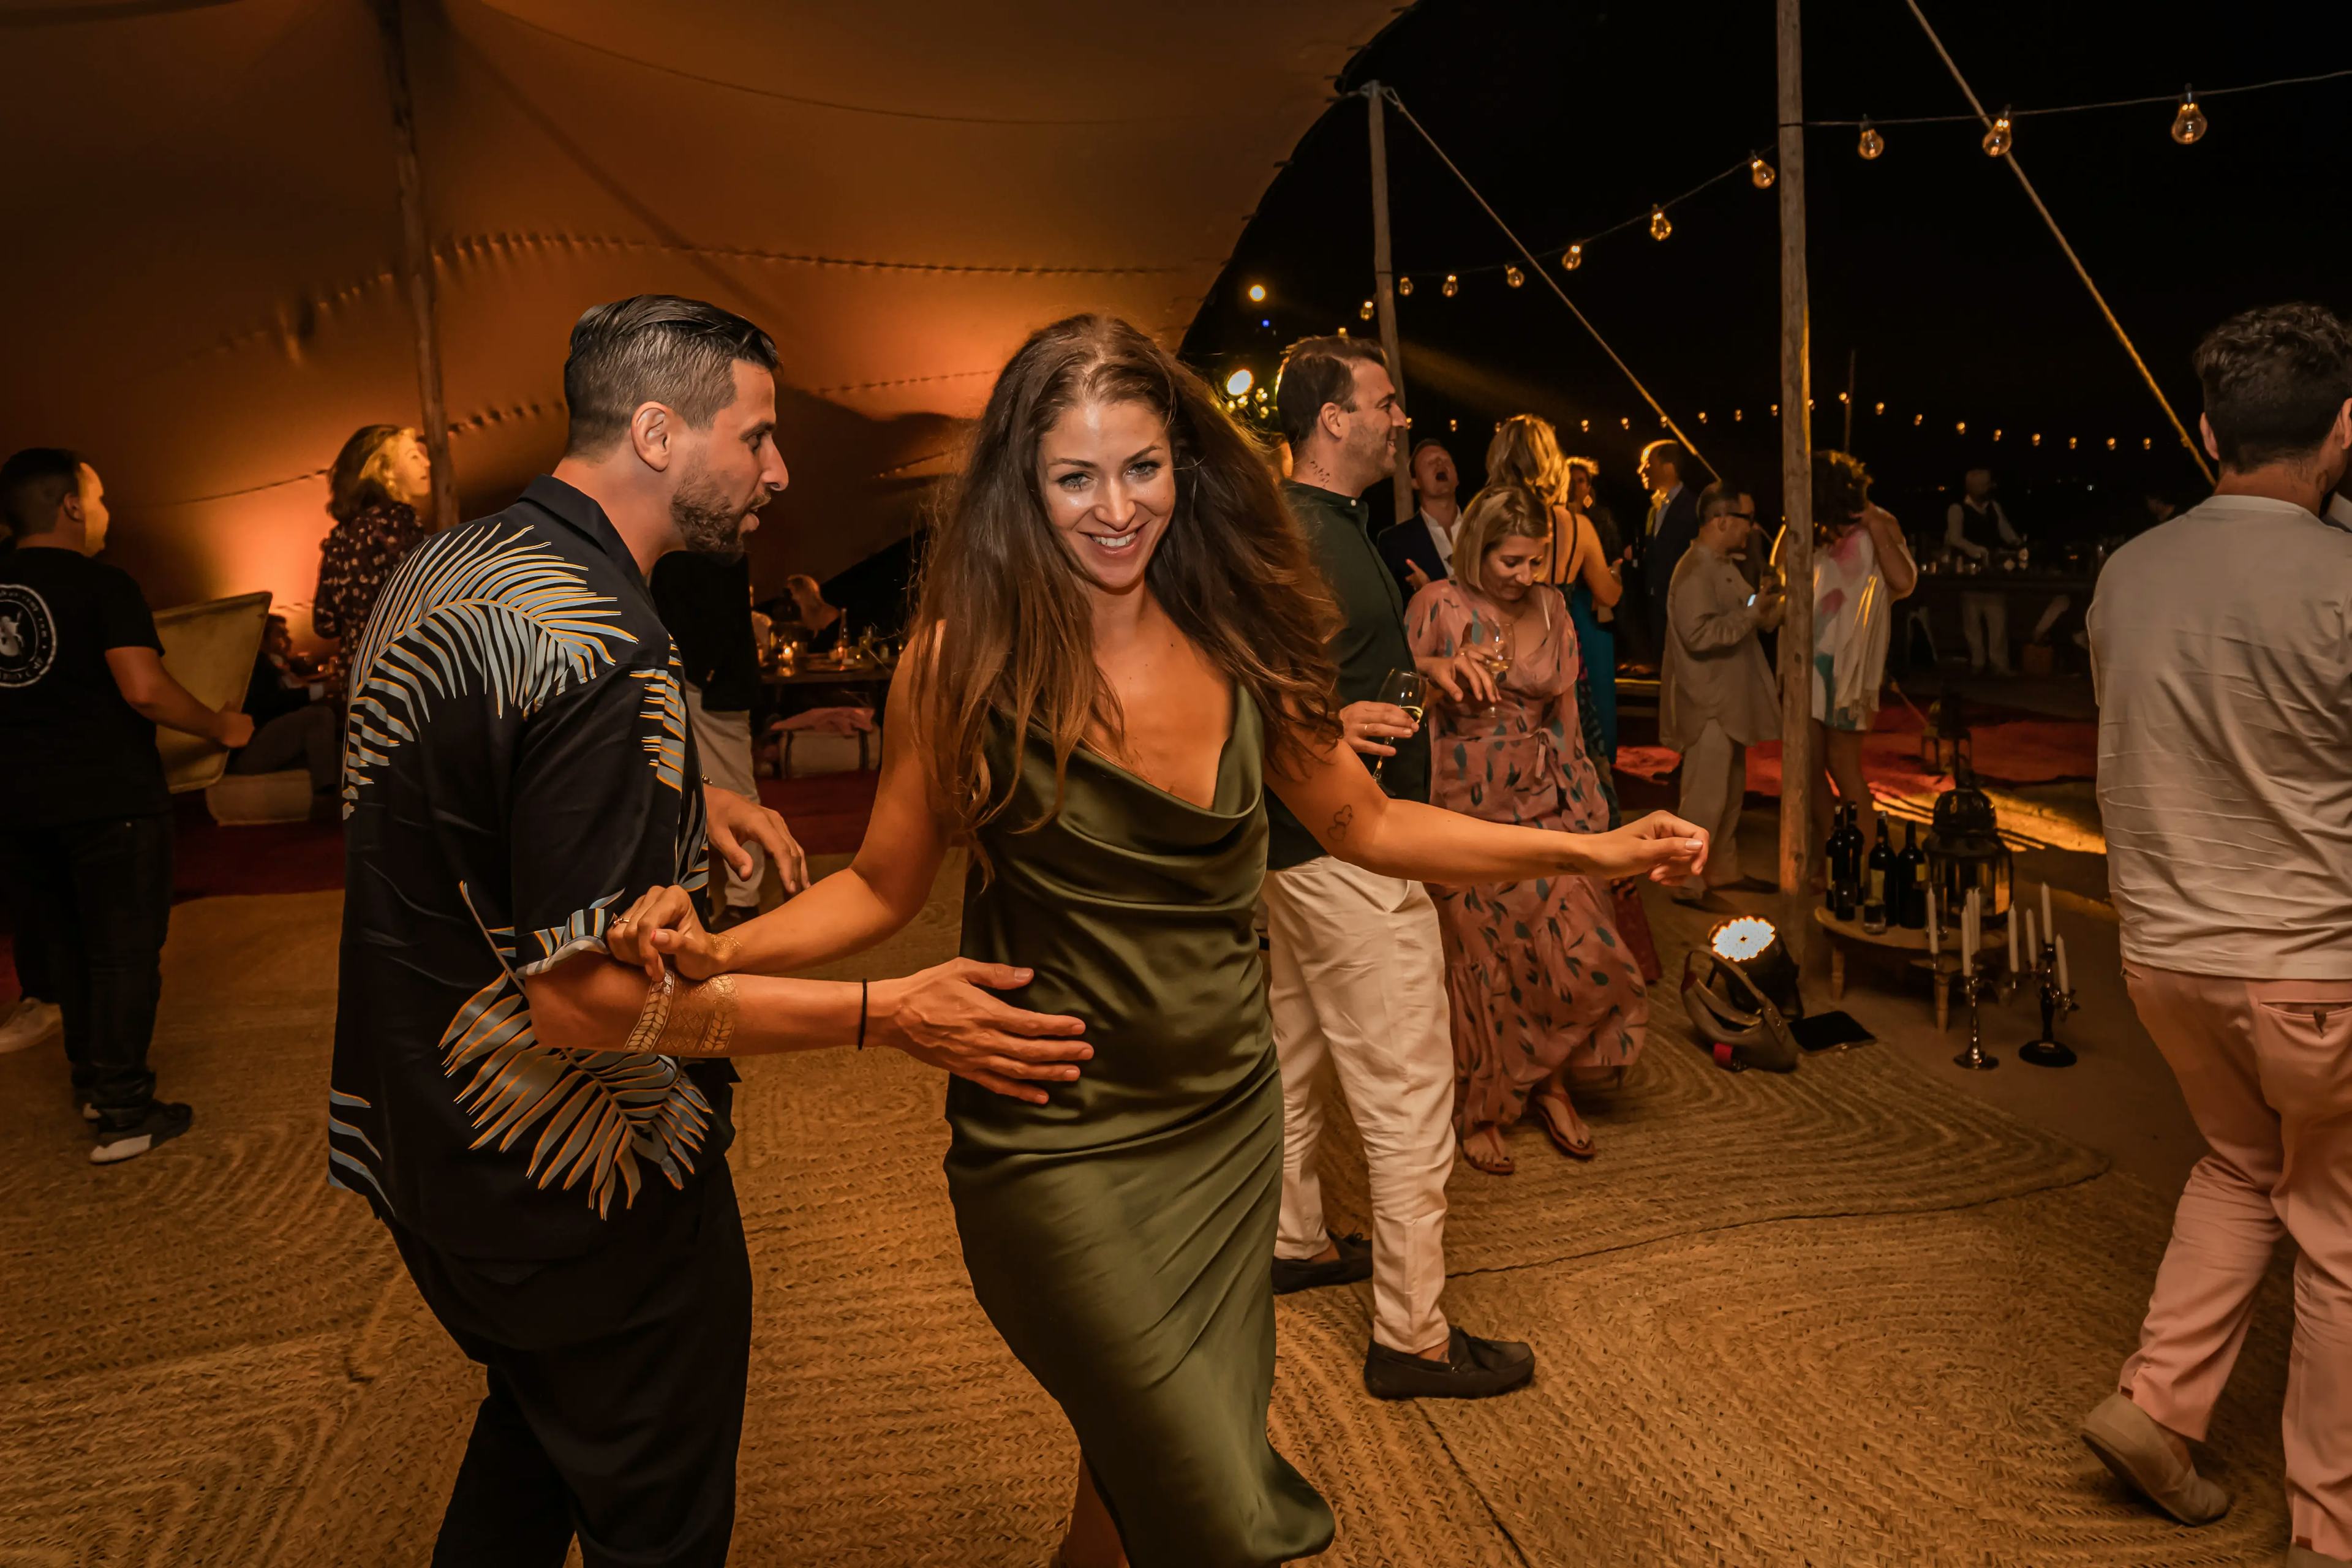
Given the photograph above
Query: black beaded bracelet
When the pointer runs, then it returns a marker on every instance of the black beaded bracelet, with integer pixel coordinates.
(861, 1015)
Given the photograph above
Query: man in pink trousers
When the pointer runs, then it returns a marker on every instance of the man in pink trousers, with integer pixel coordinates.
(2221, 642)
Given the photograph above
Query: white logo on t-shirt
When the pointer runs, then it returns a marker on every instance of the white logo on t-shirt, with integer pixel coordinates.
(28, 635)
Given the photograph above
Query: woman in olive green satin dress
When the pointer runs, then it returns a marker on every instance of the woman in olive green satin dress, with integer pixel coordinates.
(1118, 649)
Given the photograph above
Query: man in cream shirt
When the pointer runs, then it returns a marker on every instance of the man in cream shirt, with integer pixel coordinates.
(1716, 698)
(2221, 642)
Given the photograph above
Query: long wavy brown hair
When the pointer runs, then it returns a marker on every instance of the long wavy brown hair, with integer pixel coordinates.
(1003, 632)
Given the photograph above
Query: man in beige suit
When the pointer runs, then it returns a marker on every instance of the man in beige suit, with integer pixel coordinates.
(1718, 698)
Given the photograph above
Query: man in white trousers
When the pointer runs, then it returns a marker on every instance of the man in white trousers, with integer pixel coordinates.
(1356, 973)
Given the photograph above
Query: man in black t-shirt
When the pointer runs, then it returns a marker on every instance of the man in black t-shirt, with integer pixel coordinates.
(85, 822)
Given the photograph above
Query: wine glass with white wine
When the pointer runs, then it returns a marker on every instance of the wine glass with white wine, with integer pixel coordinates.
(1401, 689)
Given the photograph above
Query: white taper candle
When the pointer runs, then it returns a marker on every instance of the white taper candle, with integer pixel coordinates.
(2063, 983)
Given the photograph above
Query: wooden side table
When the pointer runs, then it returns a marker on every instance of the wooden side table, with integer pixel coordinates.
(1909, 946)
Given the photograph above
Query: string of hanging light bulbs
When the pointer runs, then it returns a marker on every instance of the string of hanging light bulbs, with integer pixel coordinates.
(2190, 127)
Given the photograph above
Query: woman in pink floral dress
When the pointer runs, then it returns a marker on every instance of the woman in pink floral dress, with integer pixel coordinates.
(1543, 992)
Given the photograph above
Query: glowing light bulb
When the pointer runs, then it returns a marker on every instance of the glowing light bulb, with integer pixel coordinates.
(2146, 444)
(1762, 174)
(1702, 416)
(1365, 309)
(1846, 398)
(2111, 443)
(1918, 419)
(1736, 417)
(1514, 277)
(1452, 286)
(1454, 425)
(1405, 285)
(1962, 428)
(1660, 224)
(1238, 383)
(1257, 293)
(1776, 411)
(1996, 432)
(1585, 424)
(2035, 439)
(2188, 125)
(1872, 143)
(1998, 140)
(2069, 443)
(1878, 409)
(1624, 424)
(1743, 938)
(1572, 258)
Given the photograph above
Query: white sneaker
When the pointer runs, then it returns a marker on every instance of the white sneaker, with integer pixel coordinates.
(30, 1023)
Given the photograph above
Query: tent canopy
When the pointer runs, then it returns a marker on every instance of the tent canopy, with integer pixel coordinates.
(204, 273)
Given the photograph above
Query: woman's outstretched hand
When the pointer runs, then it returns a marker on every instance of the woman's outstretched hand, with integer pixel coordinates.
(1661, 846)
(663, 924)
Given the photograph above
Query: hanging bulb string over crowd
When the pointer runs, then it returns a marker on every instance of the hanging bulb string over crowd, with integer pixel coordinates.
(2188, 127)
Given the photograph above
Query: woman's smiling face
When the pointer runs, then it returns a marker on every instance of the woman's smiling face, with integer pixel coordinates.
(1107, 480)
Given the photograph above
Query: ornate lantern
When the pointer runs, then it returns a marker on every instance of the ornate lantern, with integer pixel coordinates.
(1965, 850)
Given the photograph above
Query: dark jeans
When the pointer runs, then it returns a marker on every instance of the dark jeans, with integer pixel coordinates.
(616, 1400)
(312, 736)
(100, 898)
(34, 978)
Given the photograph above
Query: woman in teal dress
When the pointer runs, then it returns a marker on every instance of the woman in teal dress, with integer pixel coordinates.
(1118, 649)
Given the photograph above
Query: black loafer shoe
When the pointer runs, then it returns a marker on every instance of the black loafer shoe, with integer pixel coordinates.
(1473, 1369)
(1354, 1263)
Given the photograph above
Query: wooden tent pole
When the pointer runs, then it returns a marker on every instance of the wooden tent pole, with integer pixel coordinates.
(417, 265)
(1384, 297)
(1799, 767)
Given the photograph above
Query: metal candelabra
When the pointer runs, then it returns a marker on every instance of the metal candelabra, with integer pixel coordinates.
(2045, 1049)
(1976, 985)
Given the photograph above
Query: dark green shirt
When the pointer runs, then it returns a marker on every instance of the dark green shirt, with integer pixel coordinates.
(1371, 644)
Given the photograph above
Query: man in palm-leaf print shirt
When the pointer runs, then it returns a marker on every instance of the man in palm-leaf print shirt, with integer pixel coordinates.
(516, 771)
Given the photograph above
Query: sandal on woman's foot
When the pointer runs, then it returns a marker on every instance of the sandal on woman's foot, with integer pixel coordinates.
(1500, 1163)
(1580, 1148)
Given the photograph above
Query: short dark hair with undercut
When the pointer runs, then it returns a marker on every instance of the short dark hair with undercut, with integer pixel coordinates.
(34, 483)
(1315, 372)
(2274, 379)
(653, 348)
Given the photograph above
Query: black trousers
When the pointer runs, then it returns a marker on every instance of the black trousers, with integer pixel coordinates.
(98, 897)
(616, 1398)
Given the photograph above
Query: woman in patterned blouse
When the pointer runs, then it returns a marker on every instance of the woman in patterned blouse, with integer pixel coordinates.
(380, 478)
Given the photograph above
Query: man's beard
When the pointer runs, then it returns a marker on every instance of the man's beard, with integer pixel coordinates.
(708, 521)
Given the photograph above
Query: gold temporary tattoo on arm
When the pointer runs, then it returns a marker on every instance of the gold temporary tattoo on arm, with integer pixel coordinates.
(1340, 819)
(685, 1020)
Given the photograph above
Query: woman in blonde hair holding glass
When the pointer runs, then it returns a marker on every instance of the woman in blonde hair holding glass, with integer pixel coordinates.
(1526, 452)
(1542, 993)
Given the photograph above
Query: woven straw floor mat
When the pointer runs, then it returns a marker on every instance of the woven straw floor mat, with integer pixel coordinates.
(1844, 1318)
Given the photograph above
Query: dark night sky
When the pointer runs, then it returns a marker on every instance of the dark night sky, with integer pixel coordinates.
(1929, 263)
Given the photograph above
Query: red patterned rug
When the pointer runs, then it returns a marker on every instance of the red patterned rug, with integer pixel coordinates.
(2005, 749)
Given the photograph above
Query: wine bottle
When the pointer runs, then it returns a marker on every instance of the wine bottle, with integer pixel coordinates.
(1911, 880)
(1878, 872)
(1844, 862)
